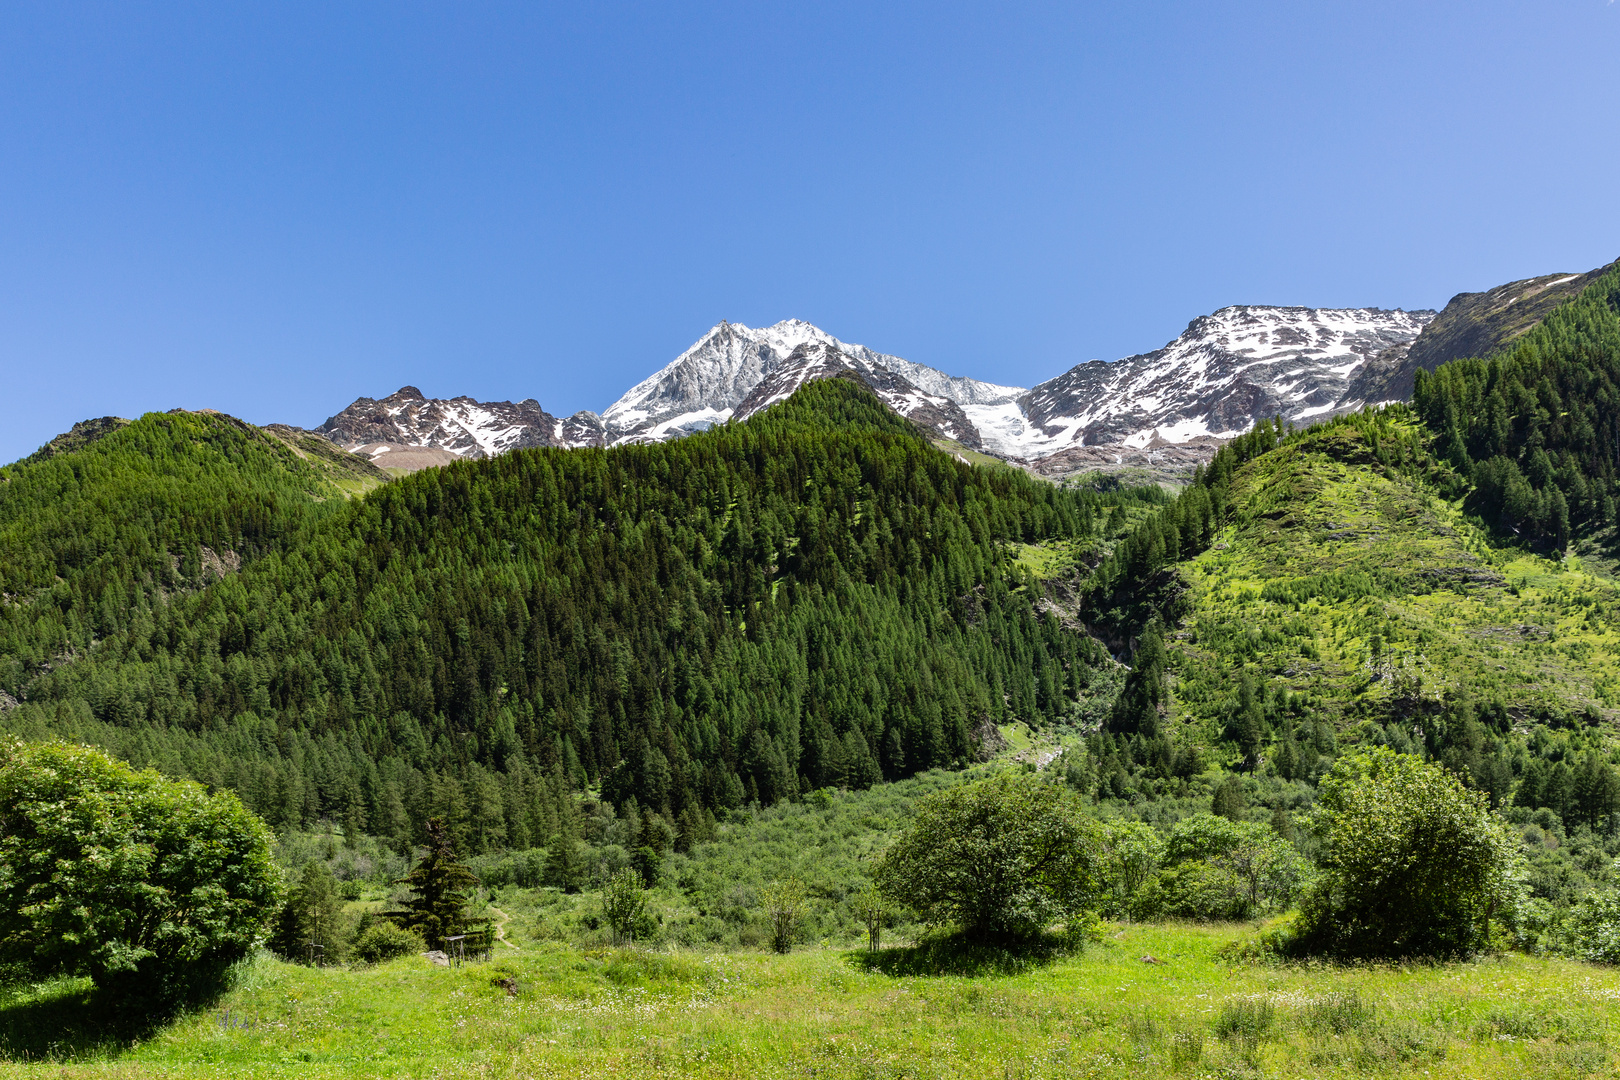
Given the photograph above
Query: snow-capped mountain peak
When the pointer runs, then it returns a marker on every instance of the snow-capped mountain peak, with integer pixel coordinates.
(1227, 370)
(707, 383)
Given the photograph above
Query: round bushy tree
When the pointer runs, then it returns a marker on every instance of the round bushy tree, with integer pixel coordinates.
(1000, 858)
(145, 884)
(1412, 863)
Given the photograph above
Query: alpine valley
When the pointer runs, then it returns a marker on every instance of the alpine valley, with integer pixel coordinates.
(729, 633)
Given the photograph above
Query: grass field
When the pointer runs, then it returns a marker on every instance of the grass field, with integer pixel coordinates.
(833, 1013)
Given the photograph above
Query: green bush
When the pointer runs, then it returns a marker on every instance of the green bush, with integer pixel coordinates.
(1216, 869)
(1413, 863)
(1592, 931)
(146, 885)
(624, 904)
(1132, 852)
(383, 941)
(1192, 890)
(785, 904)
(1000, 859)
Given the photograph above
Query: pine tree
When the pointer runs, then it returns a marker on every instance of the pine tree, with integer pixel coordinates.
(311, 928)
(443, 887)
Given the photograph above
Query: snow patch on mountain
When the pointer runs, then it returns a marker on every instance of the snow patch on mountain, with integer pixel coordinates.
(1225, 372)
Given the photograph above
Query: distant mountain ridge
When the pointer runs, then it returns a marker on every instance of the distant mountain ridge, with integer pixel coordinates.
(1226, 371)
(1173, 405)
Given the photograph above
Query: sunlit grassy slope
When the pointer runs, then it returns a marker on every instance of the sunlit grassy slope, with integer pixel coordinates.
(1147, 1001)
(1354, 583)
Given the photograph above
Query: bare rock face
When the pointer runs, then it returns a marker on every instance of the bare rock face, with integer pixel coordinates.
(1472, 324)
(460, 426)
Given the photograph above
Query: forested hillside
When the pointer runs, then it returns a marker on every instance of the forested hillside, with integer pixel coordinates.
(105, 523)
(815, 597)
(1401, 577)
(1537, 428)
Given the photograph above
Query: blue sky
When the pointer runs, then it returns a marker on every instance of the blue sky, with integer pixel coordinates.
(271, 209)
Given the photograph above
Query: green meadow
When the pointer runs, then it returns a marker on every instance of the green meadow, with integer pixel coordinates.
(1143, 1001)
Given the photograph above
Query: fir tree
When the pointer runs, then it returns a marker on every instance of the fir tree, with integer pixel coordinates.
(443, 886)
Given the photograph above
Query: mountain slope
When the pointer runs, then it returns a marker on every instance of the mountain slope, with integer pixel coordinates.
(94, 534)
(1537, 427)
(1225, 372)
(1472, 324)
(1380, 579)
(1352, 582)
(813, 597)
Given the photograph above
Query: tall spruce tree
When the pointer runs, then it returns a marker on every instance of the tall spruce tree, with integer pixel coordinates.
(443, 887)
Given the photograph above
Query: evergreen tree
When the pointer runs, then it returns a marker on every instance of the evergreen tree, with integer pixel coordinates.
(443, 886)
(312, 928)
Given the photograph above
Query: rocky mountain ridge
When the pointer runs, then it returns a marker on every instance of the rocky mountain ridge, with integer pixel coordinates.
(1471, 324)
(1170, 406)
(1222, 374)
(461, 426)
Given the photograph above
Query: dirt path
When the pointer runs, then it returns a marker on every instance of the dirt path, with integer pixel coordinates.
(502, 918)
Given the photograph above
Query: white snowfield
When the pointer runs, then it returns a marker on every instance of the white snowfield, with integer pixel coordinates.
(1222, 374)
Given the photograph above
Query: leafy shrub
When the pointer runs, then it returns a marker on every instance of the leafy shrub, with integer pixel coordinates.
(1131, 854)
(1412, 862)
(871, 909)
(1193, 890)
(1592, 931)
(525, 869)
(1001, 858)
(142, 883)
(784, 904)
(384, 940)
(1220, 869)
(624, 902)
